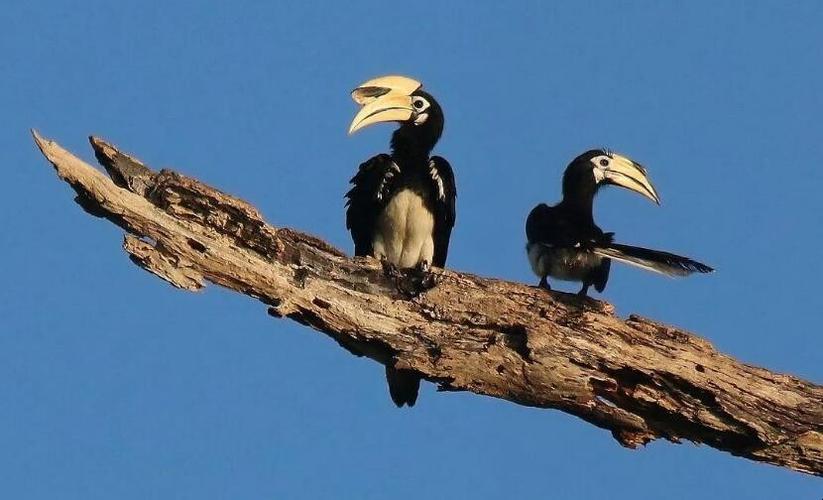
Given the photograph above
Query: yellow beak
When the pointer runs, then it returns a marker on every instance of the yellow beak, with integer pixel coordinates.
(384, 99)
(376, 87)
(386, 108)
(622, 171)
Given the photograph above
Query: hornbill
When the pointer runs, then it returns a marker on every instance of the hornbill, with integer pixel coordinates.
(566, 244)
(401, 207)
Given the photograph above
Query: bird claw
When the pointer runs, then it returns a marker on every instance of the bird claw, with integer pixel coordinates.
(390, 269)
(428, 279)
(411, 281)
(423, 266)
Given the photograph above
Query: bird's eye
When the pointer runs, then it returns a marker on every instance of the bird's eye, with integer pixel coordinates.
(419, 103)
(604, 162)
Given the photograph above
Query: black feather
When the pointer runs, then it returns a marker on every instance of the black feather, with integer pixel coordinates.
(664, 262)
(371, 189)
(444, 208)
(404, 386)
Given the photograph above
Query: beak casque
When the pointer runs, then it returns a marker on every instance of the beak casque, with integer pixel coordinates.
(376, 87)
(384, 99)
(630, 175)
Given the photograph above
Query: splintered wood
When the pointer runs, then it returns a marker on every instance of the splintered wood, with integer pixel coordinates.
(638, 378)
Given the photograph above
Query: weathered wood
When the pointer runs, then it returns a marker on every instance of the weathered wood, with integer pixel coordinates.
(639, 379)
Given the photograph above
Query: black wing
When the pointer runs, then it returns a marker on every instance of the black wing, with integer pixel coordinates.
(444, 209)
(370, 191)
(555, 227)
(546, 226)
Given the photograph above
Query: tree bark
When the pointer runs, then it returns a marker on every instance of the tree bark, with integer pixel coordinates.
(638, 378)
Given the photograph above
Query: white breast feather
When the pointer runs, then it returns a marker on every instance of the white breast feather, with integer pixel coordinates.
(565, 264)
(404, 232)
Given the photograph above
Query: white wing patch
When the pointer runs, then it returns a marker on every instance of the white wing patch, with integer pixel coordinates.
(648, 265)
(438, 182)
(385, 180)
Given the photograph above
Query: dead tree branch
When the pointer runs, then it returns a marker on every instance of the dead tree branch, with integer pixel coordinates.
(640, 379)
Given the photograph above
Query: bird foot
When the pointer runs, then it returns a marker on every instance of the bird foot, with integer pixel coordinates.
(423, 266)
(411, 281)
(389, 269)
(544, 284)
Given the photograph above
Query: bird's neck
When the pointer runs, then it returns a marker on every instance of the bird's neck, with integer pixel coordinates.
(413, 142)
(580, 202)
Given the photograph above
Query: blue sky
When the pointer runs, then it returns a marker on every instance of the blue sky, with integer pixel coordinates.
(114, 385)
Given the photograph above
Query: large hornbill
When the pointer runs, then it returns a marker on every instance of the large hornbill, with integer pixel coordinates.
(566, 244)
(401, 207)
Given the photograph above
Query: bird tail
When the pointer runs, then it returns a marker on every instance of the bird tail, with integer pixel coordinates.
(656, 261)
(403, 386)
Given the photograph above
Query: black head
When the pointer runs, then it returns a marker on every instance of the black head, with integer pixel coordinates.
(420, 133)
(400, 99)
(578, 179)
(595, 168)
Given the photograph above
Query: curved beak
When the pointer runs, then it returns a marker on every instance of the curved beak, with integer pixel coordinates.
(630, 175)
(384, 99)
(389, 107)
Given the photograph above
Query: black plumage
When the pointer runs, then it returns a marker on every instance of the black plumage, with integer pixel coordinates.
(380, 178)
(565, 243)
(401, 207)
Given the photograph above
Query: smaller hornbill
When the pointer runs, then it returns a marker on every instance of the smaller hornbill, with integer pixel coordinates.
(566, 244)
(401, 207)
